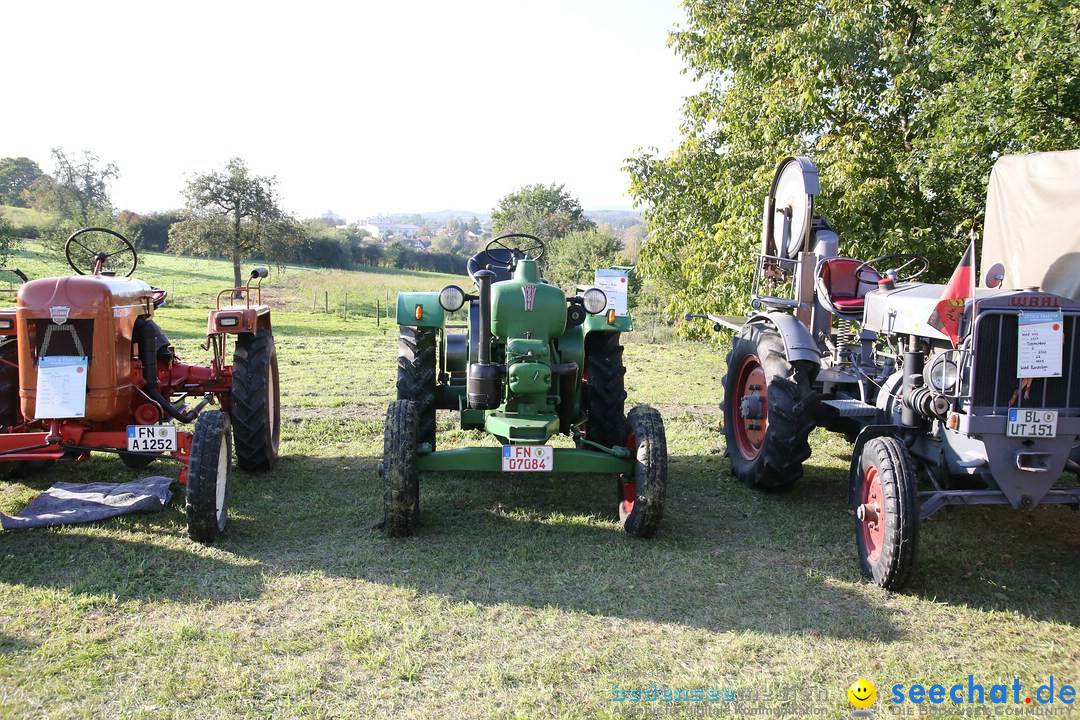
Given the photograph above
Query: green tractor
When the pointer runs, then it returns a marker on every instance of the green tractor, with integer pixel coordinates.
(533, 363)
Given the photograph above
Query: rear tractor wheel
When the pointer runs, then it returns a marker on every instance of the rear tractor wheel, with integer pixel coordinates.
(208, 474)
(256, 396)
(767, 410)
(401, 488)
(416, 370)
(885, 494)
(642, 496)
(604, 389)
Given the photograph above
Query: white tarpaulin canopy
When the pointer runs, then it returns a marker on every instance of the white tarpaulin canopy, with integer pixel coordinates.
(1033, 221)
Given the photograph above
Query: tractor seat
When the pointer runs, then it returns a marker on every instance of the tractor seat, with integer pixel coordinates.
(841, 292)
(500, 260)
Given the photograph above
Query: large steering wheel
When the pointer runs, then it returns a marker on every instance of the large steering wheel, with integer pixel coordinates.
(535, 249)
(916, 265)
(95, 259)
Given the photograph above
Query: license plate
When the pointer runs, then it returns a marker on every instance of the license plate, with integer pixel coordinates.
(151, 438)
(527, 458)
(1032, 423)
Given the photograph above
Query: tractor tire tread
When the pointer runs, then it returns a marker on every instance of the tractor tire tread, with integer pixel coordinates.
(605, 389)
(255, 432)
(650, 473)
(416, 368)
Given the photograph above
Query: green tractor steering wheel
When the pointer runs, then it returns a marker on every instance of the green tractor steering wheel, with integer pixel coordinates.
(534, 249)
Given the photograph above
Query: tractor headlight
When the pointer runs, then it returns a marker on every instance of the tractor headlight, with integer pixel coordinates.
(451, 298)
(943, 374)
(594, 301)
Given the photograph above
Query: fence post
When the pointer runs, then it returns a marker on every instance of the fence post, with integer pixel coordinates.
(345, 308)
(314, 301)
(378, 312)
(326, 301)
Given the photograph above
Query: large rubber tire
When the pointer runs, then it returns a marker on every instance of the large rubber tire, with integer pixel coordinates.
(256, 400)
(9, 384)
(641, 497)
(886, 498)
(605, 395)
(401, 487)
(416, 367)
(767, 452)
(208, 475)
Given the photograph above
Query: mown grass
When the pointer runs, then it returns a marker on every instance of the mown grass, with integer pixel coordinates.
(520, 596)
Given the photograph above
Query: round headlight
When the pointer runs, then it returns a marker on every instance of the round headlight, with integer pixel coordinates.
(943, 374)
(594, 300)
(451, 298)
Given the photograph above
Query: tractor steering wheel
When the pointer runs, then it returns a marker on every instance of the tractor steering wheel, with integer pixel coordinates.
(909, 261)
(97, 259)
(535, 249)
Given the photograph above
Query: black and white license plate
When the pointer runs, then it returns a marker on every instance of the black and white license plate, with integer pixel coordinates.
(1032, 423)
(151, 438)
(527, 458)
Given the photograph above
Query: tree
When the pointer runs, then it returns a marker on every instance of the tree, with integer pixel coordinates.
(8, 239)
(575, 257)
(234, 213)
(547, 211)
(81, 185)
(16, 175)
(903, 107)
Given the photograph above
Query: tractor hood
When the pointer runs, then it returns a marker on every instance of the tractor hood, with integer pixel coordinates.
(1033, 221)
(526, 306)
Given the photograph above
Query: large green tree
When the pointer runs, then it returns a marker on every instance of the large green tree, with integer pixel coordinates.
(16, 175)
(80, 185)
(903, 106)
(547, 211)
(234, 213)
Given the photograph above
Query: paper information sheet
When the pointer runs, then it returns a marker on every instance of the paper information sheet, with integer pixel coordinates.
(1041, 340)
(61, 387)
(614, 283)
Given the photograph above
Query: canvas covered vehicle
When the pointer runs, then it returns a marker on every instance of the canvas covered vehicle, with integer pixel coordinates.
(85, 368)
(952, 395)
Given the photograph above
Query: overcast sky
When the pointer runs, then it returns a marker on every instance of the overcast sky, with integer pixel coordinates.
(359, 107)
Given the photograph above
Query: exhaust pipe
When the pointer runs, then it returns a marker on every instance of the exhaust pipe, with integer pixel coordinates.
(483, 386)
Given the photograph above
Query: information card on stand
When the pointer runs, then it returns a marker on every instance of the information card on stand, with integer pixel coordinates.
(61, 387)
(1041, 341)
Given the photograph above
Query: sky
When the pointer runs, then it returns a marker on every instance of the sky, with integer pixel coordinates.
(359, 107)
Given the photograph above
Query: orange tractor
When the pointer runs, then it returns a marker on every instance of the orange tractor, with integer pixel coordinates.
(84, 367)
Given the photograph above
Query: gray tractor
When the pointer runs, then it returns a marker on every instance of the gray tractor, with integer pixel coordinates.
(984, 410)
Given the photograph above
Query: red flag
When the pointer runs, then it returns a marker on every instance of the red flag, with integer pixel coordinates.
(950, 308)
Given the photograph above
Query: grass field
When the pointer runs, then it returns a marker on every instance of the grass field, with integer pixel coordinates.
(520, 597)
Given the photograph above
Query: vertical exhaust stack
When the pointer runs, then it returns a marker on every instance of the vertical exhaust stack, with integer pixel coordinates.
(483, 387)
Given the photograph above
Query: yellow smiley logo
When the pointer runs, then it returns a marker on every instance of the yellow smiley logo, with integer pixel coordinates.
(862, 693)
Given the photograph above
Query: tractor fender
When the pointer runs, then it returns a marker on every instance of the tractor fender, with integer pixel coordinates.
(798, 342)
(234, 320)
(420, 309)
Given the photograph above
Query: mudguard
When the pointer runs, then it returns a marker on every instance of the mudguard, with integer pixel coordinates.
(798, 342)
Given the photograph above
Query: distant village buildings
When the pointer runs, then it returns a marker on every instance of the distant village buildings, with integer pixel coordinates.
(384, 228)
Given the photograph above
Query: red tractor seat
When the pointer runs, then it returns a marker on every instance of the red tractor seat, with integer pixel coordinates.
(844, 291)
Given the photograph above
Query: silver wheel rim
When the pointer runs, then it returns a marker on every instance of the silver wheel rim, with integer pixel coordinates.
(221, 479)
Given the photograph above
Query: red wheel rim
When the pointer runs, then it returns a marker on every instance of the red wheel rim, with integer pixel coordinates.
(872, 522)
(750, 432)
(629, 489)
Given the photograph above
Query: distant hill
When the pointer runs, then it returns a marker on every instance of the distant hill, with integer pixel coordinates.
(620, 219)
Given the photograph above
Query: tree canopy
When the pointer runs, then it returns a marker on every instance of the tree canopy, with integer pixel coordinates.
(16, 176)
(903, 106)
(546, 211)
(234, 213)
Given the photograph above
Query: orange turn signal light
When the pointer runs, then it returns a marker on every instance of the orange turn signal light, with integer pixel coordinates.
(611, 316)
(419, 312)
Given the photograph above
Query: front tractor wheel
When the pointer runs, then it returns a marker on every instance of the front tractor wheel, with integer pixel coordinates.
(641, 497)
(256, 395)
(605, 392)
(886, 512)
(401, 487)
(208, 474)
(767, 410)
(416, 369)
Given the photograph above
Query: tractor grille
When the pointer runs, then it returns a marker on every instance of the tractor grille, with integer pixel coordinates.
(75, 337)
(995, 381)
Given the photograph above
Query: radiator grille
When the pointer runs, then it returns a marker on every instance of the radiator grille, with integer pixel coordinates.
(995, 383)
(75, 337)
